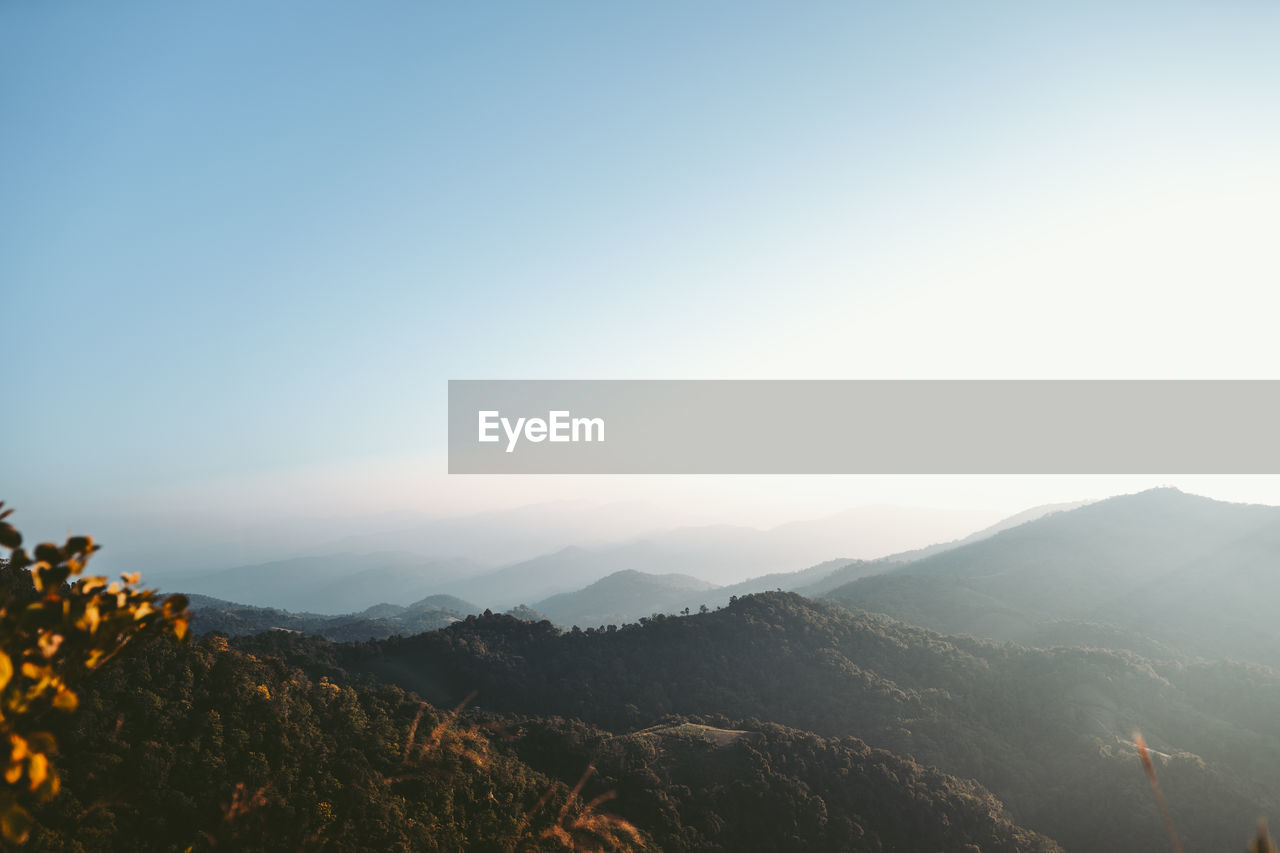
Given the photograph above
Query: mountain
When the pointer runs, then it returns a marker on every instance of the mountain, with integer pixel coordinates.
(628, 595)
(511, 557)
(379, 621)
(790, 581)
(861, 568)
(842, 574)
(1159, 566)
(719, 554)
(1015, 520)
(1048, 731)
(331, 583)
(1220, 603)
(665, 551)
(565, 570)
(448, 603)
(344, 582)
(620, 598)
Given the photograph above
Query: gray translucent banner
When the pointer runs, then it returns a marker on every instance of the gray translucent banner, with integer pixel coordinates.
(863, 427)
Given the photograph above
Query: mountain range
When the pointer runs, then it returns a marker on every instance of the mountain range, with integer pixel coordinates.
(1156, 568)
(331, 583)
(379, 621)
(1160, 573)
(765, 721)
(627, 595)
(456, 557)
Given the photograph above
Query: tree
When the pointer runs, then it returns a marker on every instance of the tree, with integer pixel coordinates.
(55, 627)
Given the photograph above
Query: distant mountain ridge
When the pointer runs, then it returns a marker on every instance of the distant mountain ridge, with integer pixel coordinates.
(619, 603)
(1182, 570)
(721, 555)
(1015, 520)
(331, 583)
(407, 565)
(376, 622)
(620, 598)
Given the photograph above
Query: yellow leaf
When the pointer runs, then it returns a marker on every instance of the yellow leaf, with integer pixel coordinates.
(89, 621)
(37, 769)
(49, 643)
(53, 784)
(66, 699)
(91, 583)
(6, 670)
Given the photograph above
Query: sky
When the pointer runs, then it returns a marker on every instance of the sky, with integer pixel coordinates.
(244, 245)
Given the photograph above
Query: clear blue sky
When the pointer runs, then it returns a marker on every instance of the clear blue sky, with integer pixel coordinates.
(245, 239)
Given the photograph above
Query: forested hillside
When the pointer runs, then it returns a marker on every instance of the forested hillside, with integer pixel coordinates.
(1048, 731)
(219, 746)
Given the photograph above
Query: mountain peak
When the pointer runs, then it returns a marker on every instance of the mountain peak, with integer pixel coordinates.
(1182, 569)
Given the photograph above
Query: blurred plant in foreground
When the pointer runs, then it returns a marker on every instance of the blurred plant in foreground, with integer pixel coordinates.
(55, 626)
(1261, 843)
(578, 826)
(581, 827)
